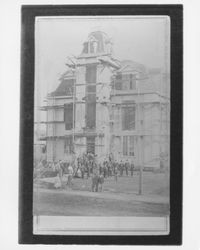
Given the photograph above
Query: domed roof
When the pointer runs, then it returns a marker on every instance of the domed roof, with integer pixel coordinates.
(97, 42)
(128, 65)
(99, 36)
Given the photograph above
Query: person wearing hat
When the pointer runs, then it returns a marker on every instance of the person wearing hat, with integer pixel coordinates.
(127, 165)
(70, 175)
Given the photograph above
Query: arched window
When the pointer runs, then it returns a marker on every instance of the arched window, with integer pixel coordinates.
(85, 48)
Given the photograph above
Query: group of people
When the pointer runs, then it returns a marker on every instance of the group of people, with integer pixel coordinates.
(86, 166)
(107, 168)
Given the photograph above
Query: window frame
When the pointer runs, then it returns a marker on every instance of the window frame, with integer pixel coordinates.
(128, 141)
(123, 108)
(68, 147)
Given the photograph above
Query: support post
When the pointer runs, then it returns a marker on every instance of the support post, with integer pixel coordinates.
(141, 165)
(140, 142)
(74, 115)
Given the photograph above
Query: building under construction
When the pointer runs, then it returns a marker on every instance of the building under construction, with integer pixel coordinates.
(109, 107)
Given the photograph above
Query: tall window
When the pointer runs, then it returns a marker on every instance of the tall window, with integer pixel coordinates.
(68, 116)
(125, 145)
(128, 145)
(90, 145)
(128, 116)
(91, 72)
(91, 93)
(68, 146)
(132, 81)
(90, 115)
(68, 88)
(91, 47)
(85, 48)
(118, 82)
(131, 145)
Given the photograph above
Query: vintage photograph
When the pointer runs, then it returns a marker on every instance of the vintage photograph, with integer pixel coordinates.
(102, 125)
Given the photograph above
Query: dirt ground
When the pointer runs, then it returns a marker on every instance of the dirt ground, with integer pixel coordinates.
(117, 199)
(153, 184)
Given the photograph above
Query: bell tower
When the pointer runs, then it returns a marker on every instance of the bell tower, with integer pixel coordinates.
(97, 43)
(93, 88)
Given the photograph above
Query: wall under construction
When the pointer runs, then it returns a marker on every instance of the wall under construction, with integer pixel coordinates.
(106, 106)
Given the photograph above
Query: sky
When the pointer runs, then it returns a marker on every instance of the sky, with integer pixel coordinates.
(141, 39)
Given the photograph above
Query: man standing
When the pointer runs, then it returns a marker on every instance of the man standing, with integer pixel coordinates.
(95, 180)
(127, 167)
(116, 168)
(121, 167)
(82, 170)
(87, 168)
(104, 169)
(100, 169)
(59, 169)
(70, 175)
(132, 168)
(58, 183)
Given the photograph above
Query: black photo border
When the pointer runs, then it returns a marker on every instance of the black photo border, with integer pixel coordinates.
(28, 14)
